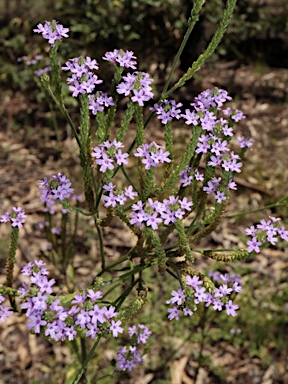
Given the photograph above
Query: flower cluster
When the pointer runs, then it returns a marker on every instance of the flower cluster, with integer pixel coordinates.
(83, 80)
(189, 174)
(127, 359)
(245, 143)
(34, 61)
(152, 155)
(211, 98)
(234, 114)
(214, 140)
(17, 217)
(58, 188)
(52, 31)
(167, 110)
(112, 198)
(109, 153)
(81, 316)
(4, 310)
(99, 101)
(187, 300)
(265, 232)
(156, 213)
(137, 83)
(122, 58)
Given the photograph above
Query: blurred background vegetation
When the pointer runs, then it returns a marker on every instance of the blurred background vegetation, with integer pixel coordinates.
(258, 35)
(154, 29)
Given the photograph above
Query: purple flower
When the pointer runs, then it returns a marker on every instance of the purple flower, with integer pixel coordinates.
(220, 197)
(187, 312)
(36, 322)
(105, 163)
(190, 117)
(253, 245)
(153, 220)
(52, 31)
(193, 281)
(110, 313)
(97, 315)
(174, 313)
(217, 305)
(92, 330)
(45, 285)
(99, 101)
(94, 295)
(210, 98)
(115, 327)
(137, 83)
(122, 58)
(167, 110)
(177, 297)
(264, 225)
(200, 295)
(141, 332)
(231, 309)
(110, 200)
(17, 221)
(82, 319)
(152, 155)
(107, 154)
(283, 233)
(245, 143)
(83, 80)
(5, 218)
(5, 313)
(79, 298)
(250, 231)
(39, 302)
(223, 291)
(236, 287)
(121, 157)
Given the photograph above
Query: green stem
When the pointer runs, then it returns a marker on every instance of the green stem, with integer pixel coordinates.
(277, 204)
(192, 21)
(128, 179)
(11, 261)
(88, 358)
(208, 52)
(101, 243)
(61, 107)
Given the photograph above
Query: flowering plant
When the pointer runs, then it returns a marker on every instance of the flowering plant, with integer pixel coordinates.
(183, 208)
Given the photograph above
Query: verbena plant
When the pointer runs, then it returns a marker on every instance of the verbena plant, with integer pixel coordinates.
(183, 205)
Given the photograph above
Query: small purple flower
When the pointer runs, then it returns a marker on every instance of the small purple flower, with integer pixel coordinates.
(200, 295)
(231, 308)
(5, 218)
(97, 315)
(36, 322)
(187, 312)
(177, 297)
(92, 330)
(153, 221)
(79, 298)
(174, 313)
(115, 327)
(253, 245)
(5, 313)
(45, 285)
(251, 231)
(94, 295)
(193, 282)
(220, 197)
